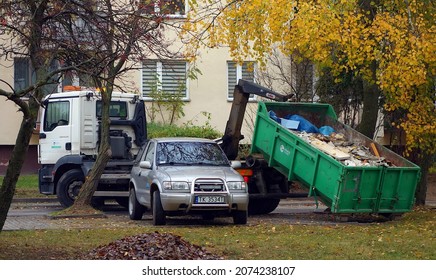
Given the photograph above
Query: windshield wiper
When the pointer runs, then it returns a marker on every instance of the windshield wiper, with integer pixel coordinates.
(174, 163)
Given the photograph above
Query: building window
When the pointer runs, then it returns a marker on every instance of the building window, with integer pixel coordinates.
(168, 8)
(167, 77)
(24, 76)
(23, 73)
(235, 72)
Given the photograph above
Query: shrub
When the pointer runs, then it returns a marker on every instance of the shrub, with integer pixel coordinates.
(165, 130)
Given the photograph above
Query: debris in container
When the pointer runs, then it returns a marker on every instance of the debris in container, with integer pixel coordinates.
(332, 143)
(304, 125)
(326, 130)
(289, 124)
(349, 153)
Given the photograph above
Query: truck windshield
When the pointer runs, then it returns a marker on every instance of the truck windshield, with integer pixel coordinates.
(190, 153)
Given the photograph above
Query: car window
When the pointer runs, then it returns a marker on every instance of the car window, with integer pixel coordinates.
(190, 153)
(141, 153)
(149, 155)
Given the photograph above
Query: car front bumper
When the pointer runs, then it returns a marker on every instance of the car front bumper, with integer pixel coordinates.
(176, 202)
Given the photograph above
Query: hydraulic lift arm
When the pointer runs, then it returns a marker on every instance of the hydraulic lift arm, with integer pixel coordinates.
(241, 94)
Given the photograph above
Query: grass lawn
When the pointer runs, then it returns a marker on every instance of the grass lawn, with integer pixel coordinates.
(27, 186)
(411, 237)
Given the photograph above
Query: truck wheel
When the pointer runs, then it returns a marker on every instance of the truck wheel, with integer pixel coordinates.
(136, 210)
(158, 212)
(262, 206)
(123, 201)
(68, 186)
(240, 217)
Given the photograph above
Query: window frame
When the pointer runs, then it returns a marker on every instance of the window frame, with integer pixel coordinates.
(157, 10)
(50, 127)
(239, 75)
(29, 76)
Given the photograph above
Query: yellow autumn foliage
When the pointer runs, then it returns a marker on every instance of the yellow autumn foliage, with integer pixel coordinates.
(399, 37)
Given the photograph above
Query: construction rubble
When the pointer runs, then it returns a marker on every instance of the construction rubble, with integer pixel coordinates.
(337, 145)
(349, 153)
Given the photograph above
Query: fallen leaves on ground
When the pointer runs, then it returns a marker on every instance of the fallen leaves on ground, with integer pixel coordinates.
(151, 246)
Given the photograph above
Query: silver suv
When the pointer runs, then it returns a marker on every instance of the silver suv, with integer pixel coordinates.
(180, 176)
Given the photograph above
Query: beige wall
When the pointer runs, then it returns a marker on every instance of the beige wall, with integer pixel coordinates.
(208, 93)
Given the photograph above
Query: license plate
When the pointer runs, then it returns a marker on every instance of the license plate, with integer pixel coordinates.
(209, 199)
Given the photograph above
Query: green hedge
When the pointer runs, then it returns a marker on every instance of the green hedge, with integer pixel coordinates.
(155, 130)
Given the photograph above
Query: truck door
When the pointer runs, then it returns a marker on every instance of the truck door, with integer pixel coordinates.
(55, 132)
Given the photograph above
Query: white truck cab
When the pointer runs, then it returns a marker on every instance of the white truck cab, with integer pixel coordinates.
(69, 141)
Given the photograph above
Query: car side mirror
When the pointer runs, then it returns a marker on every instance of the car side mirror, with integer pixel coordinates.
(235, 164)
(145, 164)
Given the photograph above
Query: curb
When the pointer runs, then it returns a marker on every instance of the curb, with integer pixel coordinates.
(58, 217)
(34, 200)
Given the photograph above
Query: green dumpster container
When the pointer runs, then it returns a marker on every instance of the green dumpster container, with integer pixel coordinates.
(343, 188)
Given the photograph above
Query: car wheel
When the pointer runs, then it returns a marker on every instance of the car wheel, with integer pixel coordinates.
(136, 210)
(158, 212)
(240, 217)
(68, 186)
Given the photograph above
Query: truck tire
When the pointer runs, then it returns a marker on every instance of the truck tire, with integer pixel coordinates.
(136, 210)
(68, 186)
(262, 206)
(123, 201)
(158, 212)
(240, 217)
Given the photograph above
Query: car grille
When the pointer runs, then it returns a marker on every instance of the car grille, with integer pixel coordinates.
(209, 185)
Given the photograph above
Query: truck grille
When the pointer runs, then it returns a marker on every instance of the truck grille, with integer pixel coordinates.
(209, 185)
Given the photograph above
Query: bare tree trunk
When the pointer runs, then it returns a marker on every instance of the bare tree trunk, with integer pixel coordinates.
(368, 122)
(86, 193)
(16, 162)
(424, 161)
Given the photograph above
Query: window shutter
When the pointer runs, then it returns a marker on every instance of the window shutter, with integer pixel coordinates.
(231, 78)
(149, 77)
(174, 77)
(236, 72)
(168, 76)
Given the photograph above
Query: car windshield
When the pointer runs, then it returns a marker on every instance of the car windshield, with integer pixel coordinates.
(190, 153)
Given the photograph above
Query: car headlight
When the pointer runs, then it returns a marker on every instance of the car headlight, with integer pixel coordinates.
(176, 186)
(236, 185)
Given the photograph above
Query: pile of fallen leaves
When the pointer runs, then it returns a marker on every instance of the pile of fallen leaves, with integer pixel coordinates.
(151, 246)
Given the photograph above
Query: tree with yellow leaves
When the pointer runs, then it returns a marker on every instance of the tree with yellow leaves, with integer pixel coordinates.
(390, 44)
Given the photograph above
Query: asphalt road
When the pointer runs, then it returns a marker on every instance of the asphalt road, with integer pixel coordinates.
(35, 214)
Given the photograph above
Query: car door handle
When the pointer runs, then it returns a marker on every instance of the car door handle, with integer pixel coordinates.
(42, 136)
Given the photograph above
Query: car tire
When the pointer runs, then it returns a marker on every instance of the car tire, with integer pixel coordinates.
(158, 212)
(240, 217)
(136, 210)
(68, 186)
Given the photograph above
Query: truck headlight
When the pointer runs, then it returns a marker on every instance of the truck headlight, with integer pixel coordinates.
(236, 185)
(176, 186)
